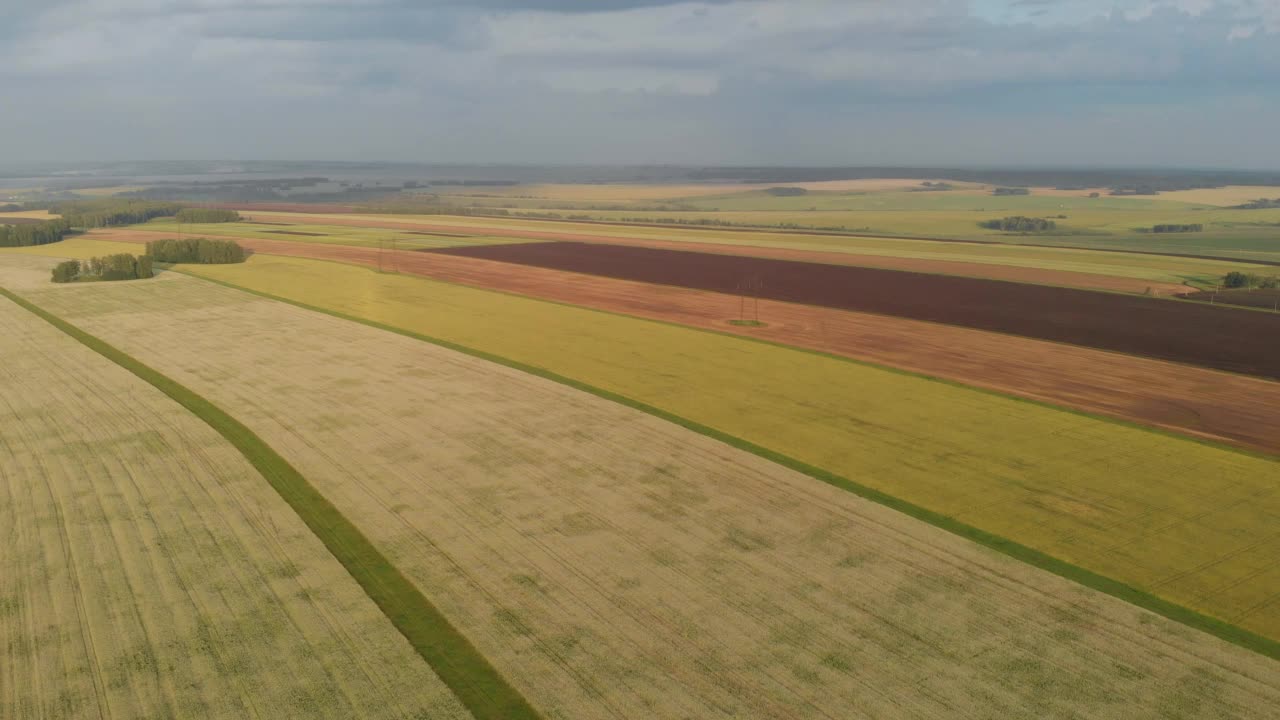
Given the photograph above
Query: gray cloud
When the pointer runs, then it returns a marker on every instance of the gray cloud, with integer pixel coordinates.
(634, 81)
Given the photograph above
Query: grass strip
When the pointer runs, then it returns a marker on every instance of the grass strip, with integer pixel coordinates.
(476, 683)
(1141, 598)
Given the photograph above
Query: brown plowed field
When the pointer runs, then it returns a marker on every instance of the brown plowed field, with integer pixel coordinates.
(20, 220)
(1065, 278)
(1216, 337)
(1186, 399)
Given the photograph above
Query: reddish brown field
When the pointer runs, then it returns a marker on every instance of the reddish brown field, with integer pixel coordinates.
(4, 220)
(1215, 337)
(1190, 400)
(1064, 278)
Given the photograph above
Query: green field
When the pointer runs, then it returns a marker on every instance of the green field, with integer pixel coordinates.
(1186, 521)
(1103, 222)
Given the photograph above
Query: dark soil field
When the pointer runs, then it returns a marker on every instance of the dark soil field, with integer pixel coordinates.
(20, 220)
(438, 234)
(294, 232)
(1265, 299)
(1209, 336)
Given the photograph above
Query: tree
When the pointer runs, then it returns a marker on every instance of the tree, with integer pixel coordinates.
(65, 272)
(196, 250)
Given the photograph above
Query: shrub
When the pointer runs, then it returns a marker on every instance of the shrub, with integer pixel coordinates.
(65, 272)
(1018, 223)
(207, 215)
(109, 267)
(196, 250)
(1235, 279)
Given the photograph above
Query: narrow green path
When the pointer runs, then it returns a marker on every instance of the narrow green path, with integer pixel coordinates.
(477, 684)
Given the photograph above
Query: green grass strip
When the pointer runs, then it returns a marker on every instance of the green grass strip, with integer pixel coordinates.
(1141, 598)
(476, 683)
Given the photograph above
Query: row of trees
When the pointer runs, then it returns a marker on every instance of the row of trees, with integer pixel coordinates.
(109, 267)
(105, 213)
(1019, 223)
(1011, 191)
(207, 215)
(1170, 228)
(1259, 204)
(1249, 281)
(34, 234)
(201, 251)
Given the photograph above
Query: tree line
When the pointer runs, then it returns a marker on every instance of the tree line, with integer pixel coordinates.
(203, 251)
(106, 213)
(207, 215)
(1011, 191)
(1249, 281)
(109, 267)
(1172, 228)
(43, 233)
(1259, 204)
(1019, 223)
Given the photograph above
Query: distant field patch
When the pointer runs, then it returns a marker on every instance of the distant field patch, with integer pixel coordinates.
(295, 232)
(1158, 268)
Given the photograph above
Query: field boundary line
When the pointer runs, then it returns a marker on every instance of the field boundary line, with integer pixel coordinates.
(1075, 573)
(475, 682)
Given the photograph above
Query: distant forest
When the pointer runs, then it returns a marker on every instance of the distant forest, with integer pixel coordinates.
(1135, 182)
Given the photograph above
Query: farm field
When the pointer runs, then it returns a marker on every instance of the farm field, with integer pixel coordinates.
(1147, 509)
(1182, 398)
(37, 215)
(944, 267)
(149, 571)
(1158, 268)
(629, 567)
(1105, 221)
(343, 235)
(1215, 337)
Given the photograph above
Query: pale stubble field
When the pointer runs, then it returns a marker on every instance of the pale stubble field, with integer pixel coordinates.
(147, 570)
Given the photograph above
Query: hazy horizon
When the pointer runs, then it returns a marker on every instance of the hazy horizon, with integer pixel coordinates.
(990, 83)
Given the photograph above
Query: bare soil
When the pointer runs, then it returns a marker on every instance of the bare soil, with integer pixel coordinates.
(1214, 337)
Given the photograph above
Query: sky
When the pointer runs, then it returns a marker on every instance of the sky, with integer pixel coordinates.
(1190, 83)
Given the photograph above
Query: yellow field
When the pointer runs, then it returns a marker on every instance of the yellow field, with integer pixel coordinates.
(39, 214)
(615, 565)
(148, 570)
(1189, 522)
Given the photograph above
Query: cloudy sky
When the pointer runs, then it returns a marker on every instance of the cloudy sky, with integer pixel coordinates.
(1116, 82)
